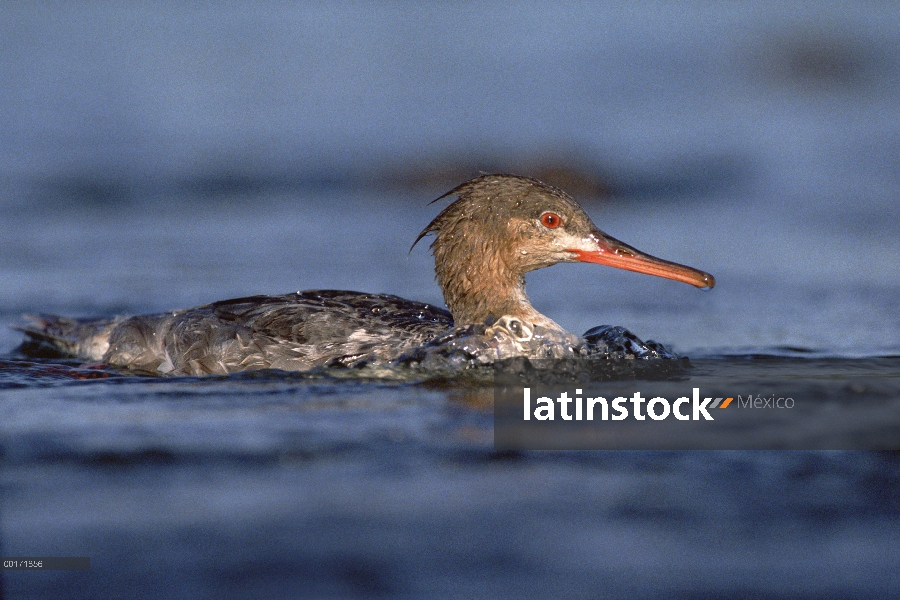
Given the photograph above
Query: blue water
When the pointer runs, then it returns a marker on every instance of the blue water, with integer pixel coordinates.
(167, 156)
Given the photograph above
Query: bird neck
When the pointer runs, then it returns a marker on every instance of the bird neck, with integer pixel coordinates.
(478, 280)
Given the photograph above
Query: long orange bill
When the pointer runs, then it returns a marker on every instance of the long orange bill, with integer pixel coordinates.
(613, 253)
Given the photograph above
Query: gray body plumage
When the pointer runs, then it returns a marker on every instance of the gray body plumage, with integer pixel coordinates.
(294, 332)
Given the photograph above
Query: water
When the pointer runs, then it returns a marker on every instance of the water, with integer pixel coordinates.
(294, 487)
(181, 161)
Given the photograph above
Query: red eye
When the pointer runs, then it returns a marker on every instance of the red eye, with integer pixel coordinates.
(551, 220)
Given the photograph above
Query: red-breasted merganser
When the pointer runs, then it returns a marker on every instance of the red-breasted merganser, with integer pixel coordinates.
(499, 228)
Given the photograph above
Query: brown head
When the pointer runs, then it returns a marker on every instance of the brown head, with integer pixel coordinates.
(503, 226)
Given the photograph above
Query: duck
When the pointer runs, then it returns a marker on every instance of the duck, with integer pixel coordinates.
(499, 228)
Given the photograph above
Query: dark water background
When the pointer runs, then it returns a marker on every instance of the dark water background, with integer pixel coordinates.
(164, 157)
